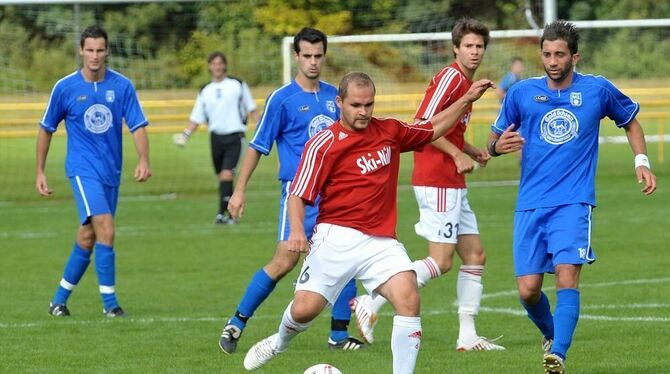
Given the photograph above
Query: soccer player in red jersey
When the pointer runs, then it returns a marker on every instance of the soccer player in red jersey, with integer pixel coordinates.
(446, 220)
(353, 165)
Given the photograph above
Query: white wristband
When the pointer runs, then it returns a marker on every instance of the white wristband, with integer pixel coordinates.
(642, 160)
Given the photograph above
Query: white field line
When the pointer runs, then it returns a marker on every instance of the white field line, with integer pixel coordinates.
(511, 311)
(436, 312)
(593, 285)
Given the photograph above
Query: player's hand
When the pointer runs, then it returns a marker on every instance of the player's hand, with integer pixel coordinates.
(509, 141)
(41, 185)
(142, 171)
(297, 242)
(645, 175)
(481, 156)
(180, 139)
(236, 204)
(477, 89)
(463, 163)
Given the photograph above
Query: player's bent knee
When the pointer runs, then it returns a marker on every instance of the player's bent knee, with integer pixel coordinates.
(306, 306)
(529, 296)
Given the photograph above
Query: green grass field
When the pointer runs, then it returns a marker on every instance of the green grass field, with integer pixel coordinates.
(179, 276)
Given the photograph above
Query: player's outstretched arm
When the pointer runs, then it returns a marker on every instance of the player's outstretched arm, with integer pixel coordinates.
(143, 169)
(446, 118)
(238, 199)
(481, 156)
(635, 136)
(42, 149)
(182, 138)
(463, 163)
(297, 241)
(507, 142)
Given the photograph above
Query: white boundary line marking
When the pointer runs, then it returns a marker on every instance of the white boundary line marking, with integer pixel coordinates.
(585, 286)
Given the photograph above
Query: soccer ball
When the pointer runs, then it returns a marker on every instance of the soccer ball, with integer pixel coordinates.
(322, 369)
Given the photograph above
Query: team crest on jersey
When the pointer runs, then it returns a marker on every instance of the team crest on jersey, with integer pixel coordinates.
(98, 119)
(541, 98)
(559, 126)
(330, 104)
(319, 123)
(109, 96)
(576, 98)
(303, 108)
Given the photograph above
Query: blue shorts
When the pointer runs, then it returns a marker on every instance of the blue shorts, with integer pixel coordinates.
(93, 198)
(284, 228)
(546, 237)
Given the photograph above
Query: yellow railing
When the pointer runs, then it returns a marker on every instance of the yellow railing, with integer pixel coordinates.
(20, 119)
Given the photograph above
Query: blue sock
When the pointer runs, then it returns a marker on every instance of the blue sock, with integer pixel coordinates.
(540, 314)
(566, 316)
(106, 269)
(74, 269)
(258, 290)
(342, 312)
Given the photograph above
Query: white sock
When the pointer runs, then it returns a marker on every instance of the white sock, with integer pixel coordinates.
(426, 269)
(405, 343)
(469, 290)
(288, 328)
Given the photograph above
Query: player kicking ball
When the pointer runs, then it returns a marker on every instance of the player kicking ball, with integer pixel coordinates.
(353, 165)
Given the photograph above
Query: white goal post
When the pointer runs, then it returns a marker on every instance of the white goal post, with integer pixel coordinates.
(287, 42)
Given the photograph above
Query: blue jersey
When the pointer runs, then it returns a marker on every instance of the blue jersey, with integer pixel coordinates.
(94, 114)
(561, 128)
(291, 117)
(508, 81)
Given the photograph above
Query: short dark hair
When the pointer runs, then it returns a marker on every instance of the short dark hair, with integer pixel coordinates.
(93, 32)
(466, 26)
(358, 78)
(310, 35)
(563, 30)
(216, 54)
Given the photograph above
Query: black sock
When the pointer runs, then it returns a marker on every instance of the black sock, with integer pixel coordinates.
(225, 191)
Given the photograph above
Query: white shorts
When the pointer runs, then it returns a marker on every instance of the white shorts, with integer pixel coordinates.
(444, 214)
(338, 254)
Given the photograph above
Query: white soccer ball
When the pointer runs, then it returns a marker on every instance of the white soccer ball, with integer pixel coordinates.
(322, 369)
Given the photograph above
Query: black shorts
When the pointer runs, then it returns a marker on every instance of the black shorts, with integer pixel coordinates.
(226, 150)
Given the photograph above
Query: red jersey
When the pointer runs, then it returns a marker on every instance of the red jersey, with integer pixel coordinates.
(432, 167)
(356, 173)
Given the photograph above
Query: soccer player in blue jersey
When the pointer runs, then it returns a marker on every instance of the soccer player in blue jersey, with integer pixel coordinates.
(293, 114)
(556, 119)
(93, 101)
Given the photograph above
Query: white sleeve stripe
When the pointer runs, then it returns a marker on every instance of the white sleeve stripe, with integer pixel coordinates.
(306, 172)
(305, 177)
(264, 115)
(44, 117)
(312, 183)
(445, 82)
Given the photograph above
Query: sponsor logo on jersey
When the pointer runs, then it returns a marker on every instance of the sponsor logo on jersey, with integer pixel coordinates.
(303, 108)
(576, 99)
(541, 98)
(559, 126)
(369, 163)
(82, 97)
(98, 119)
(319, 123)
(330, 104)
(109, 96)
